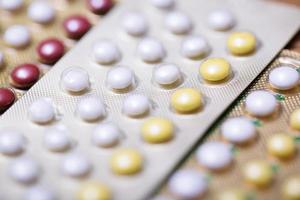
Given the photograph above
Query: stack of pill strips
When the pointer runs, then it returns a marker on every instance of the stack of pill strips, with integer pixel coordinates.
(115, 115)
(254, 151)
(35, 35)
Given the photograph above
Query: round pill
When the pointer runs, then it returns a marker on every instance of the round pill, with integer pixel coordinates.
(41, 12)
(157, 130)
(50, 50)
(106, 135)
(295, 119)
(258, 172)
(194, 46)
(100, 7)
(151, 50)
(291, 188)
(76, 26)
(178, 23)
(238, 130)
(75, 80)
(17, 36)
(106, 52)
(188, 184)
(215, 69)
(76, 165)
(260, 103)
(186, 100)
(39, 192)
(281, 145)
(126, 162)
(7, 98)
(163, 4)
(25, 75)
(91, 108)
(56, 139)
(214, 155)
(11, 142)
(135, 24)
(284, 78)
(41, 111)
(241, 43)
(167, 74)
(120, 78)
(136, 105)
(11, 5)
(221, 20)
(94, 191)
(24, 170)
(1, 59)
(232, 194)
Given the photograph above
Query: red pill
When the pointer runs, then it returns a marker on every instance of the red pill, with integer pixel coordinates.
(24, 76)
(7, 98)
(100, 7)
(50, 50)
(76, 26)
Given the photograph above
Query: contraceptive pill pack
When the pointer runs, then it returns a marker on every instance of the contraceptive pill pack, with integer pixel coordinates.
(117, 113)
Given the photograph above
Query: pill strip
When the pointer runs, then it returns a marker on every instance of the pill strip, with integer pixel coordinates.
(271, 140)
(55, 99)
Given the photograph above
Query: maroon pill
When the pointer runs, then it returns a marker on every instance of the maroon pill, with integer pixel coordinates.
(50, 50)
(100, 7)
(24, 76)
(76, 26)
(7, 98)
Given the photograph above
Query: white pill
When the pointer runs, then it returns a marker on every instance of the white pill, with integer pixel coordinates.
(214, 155)
(39, 193)
(238, 130)
(24, 170)
(163, 4)
(106, 52)
(136, 105)
(75, 80)
(11, 142)
(57, 138)
(178, 23)
(17, 36)
(151, 50)
(120, 78)
(194, 46)
(76, 165)
(1, 59)
(221, 20)
(91, 108)
(11, 5)
(135, 24)
(188, 184)
(41, 12)
(42, 111)
(106, 135)
(167, 74)
(261, 103)
(284, 78)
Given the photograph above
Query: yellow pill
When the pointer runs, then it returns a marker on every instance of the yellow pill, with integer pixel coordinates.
(281, 145)
(241, 43)
(295, 119)
(215, 69)
(94, 191)
(233, 194)
(157, 130)
(291, 188)
(186, 100)
(259, 173)
(126, 162)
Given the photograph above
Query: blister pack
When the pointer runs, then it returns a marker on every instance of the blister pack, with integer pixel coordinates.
(117, 113)
(35, 34)
(253, 153)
